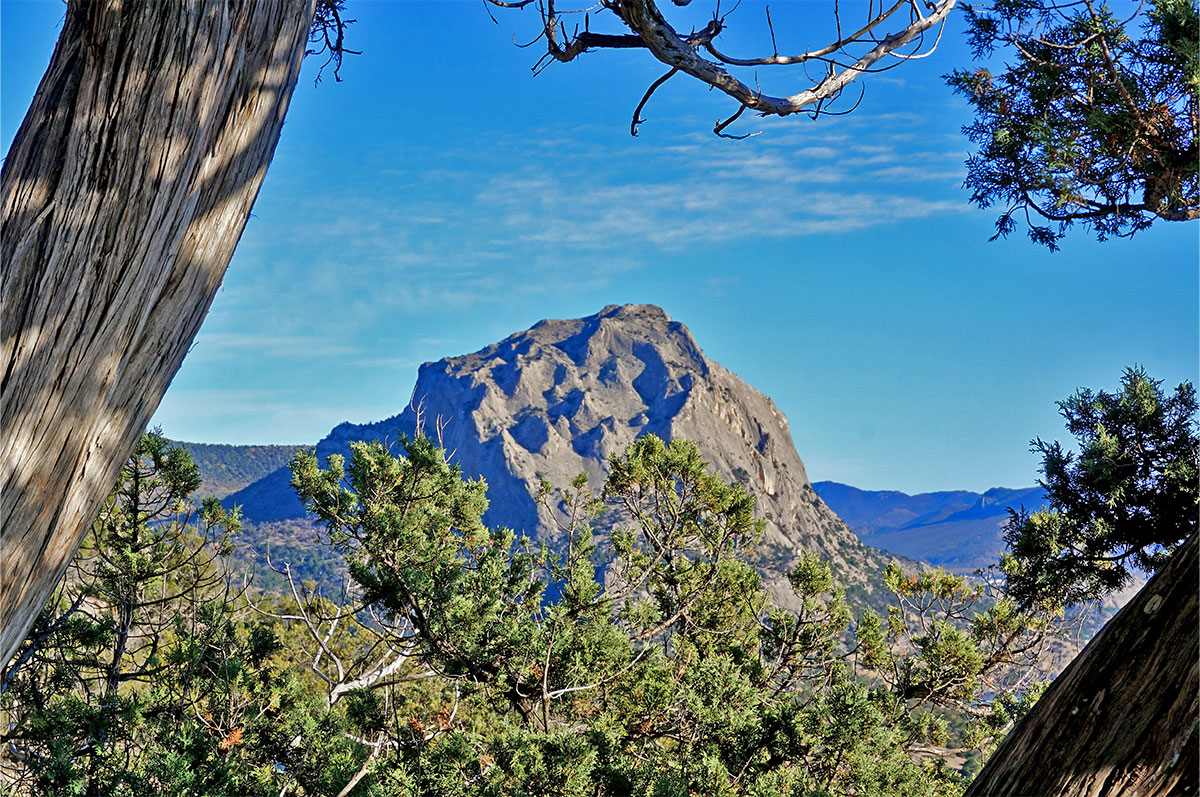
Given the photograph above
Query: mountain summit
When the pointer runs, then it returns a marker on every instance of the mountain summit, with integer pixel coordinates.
(561, 397)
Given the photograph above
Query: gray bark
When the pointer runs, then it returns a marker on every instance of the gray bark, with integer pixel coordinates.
(679, 52)
(124, 194)
(1122, 718)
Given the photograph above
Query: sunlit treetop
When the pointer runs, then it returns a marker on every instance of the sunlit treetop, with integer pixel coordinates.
(1091, 120)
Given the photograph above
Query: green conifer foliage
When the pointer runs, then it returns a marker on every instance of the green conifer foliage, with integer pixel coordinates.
(464, 660)
(650, 662)
(1090, 120)
(141, 677)
(1127, 499)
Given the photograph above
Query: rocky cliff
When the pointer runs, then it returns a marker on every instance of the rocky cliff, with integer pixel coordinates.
(559, 398)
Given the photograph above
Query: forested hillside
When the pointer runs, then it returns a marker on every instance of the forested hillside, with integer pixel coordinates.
(463, 658)
(225, 468)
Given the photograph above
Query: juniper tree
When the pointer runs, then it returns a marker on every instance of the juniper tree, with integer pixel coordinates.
(648, 659)
(136, 678)
(1120, 719)
(1090, 120)
(1123, 503)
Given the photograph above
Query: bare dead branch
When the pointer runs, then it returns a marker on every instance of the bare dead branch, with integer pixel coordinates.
(647, 27)
(719, 129)
(784, 60)
(375, 748)
(637, 112)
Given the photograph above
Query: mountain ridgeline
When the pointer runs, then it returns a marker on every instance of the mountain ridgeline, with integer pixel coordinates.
(959, 530)
(560, 398)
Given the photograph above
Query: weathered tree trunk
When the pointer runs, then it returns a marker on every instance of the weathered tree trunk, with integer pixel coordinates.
(1122, 718)
(124, 194)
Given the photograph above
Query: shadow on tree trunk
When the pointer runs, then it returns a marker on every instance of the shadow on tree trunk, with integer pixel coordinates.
(1122, 719)
(124, 194)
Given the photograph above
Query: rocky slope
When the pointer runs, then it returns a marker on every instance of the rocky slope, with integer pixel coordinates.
(559, 398)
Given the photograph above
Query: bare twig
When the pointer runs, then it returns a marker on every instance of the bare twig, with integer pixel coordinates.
(637, 112)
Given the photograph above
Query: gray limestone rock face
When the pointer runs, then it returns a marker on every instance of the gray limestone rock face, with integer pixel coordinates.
(562, 397)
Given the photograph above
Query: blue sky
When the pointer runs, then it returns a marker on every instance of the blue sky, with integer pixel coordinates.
(442, 197)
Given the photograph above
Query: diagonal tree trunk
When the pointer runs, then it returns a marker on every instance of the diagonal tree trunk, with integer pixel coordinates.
(1122, 718)
(124, 194)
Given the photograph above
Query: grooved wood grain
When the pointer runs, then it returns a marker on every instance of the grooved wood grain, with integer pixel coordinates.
(1122, 718)
(124, 195)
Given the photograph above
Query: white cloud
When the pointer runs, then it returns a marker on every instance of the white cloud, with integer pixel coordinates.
(227, 345)
(549, 213)
(916, 174)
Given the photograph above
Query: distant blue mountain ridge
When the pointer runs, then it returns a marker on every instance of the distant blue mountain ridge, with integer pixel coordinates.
(959, 530)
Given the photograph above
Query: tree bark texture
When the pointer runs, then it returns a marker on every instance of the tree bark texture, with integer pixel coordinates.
(1122, 719)
(124, 194)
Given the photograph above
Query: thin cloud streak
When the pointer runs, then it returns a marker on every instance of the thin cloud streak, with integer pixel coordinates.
(587, 215)
(227, 345)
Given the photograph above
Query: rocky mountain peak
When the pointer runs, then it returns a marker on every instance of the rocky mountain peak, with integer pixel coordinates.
(618, 334)
(564, 395)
